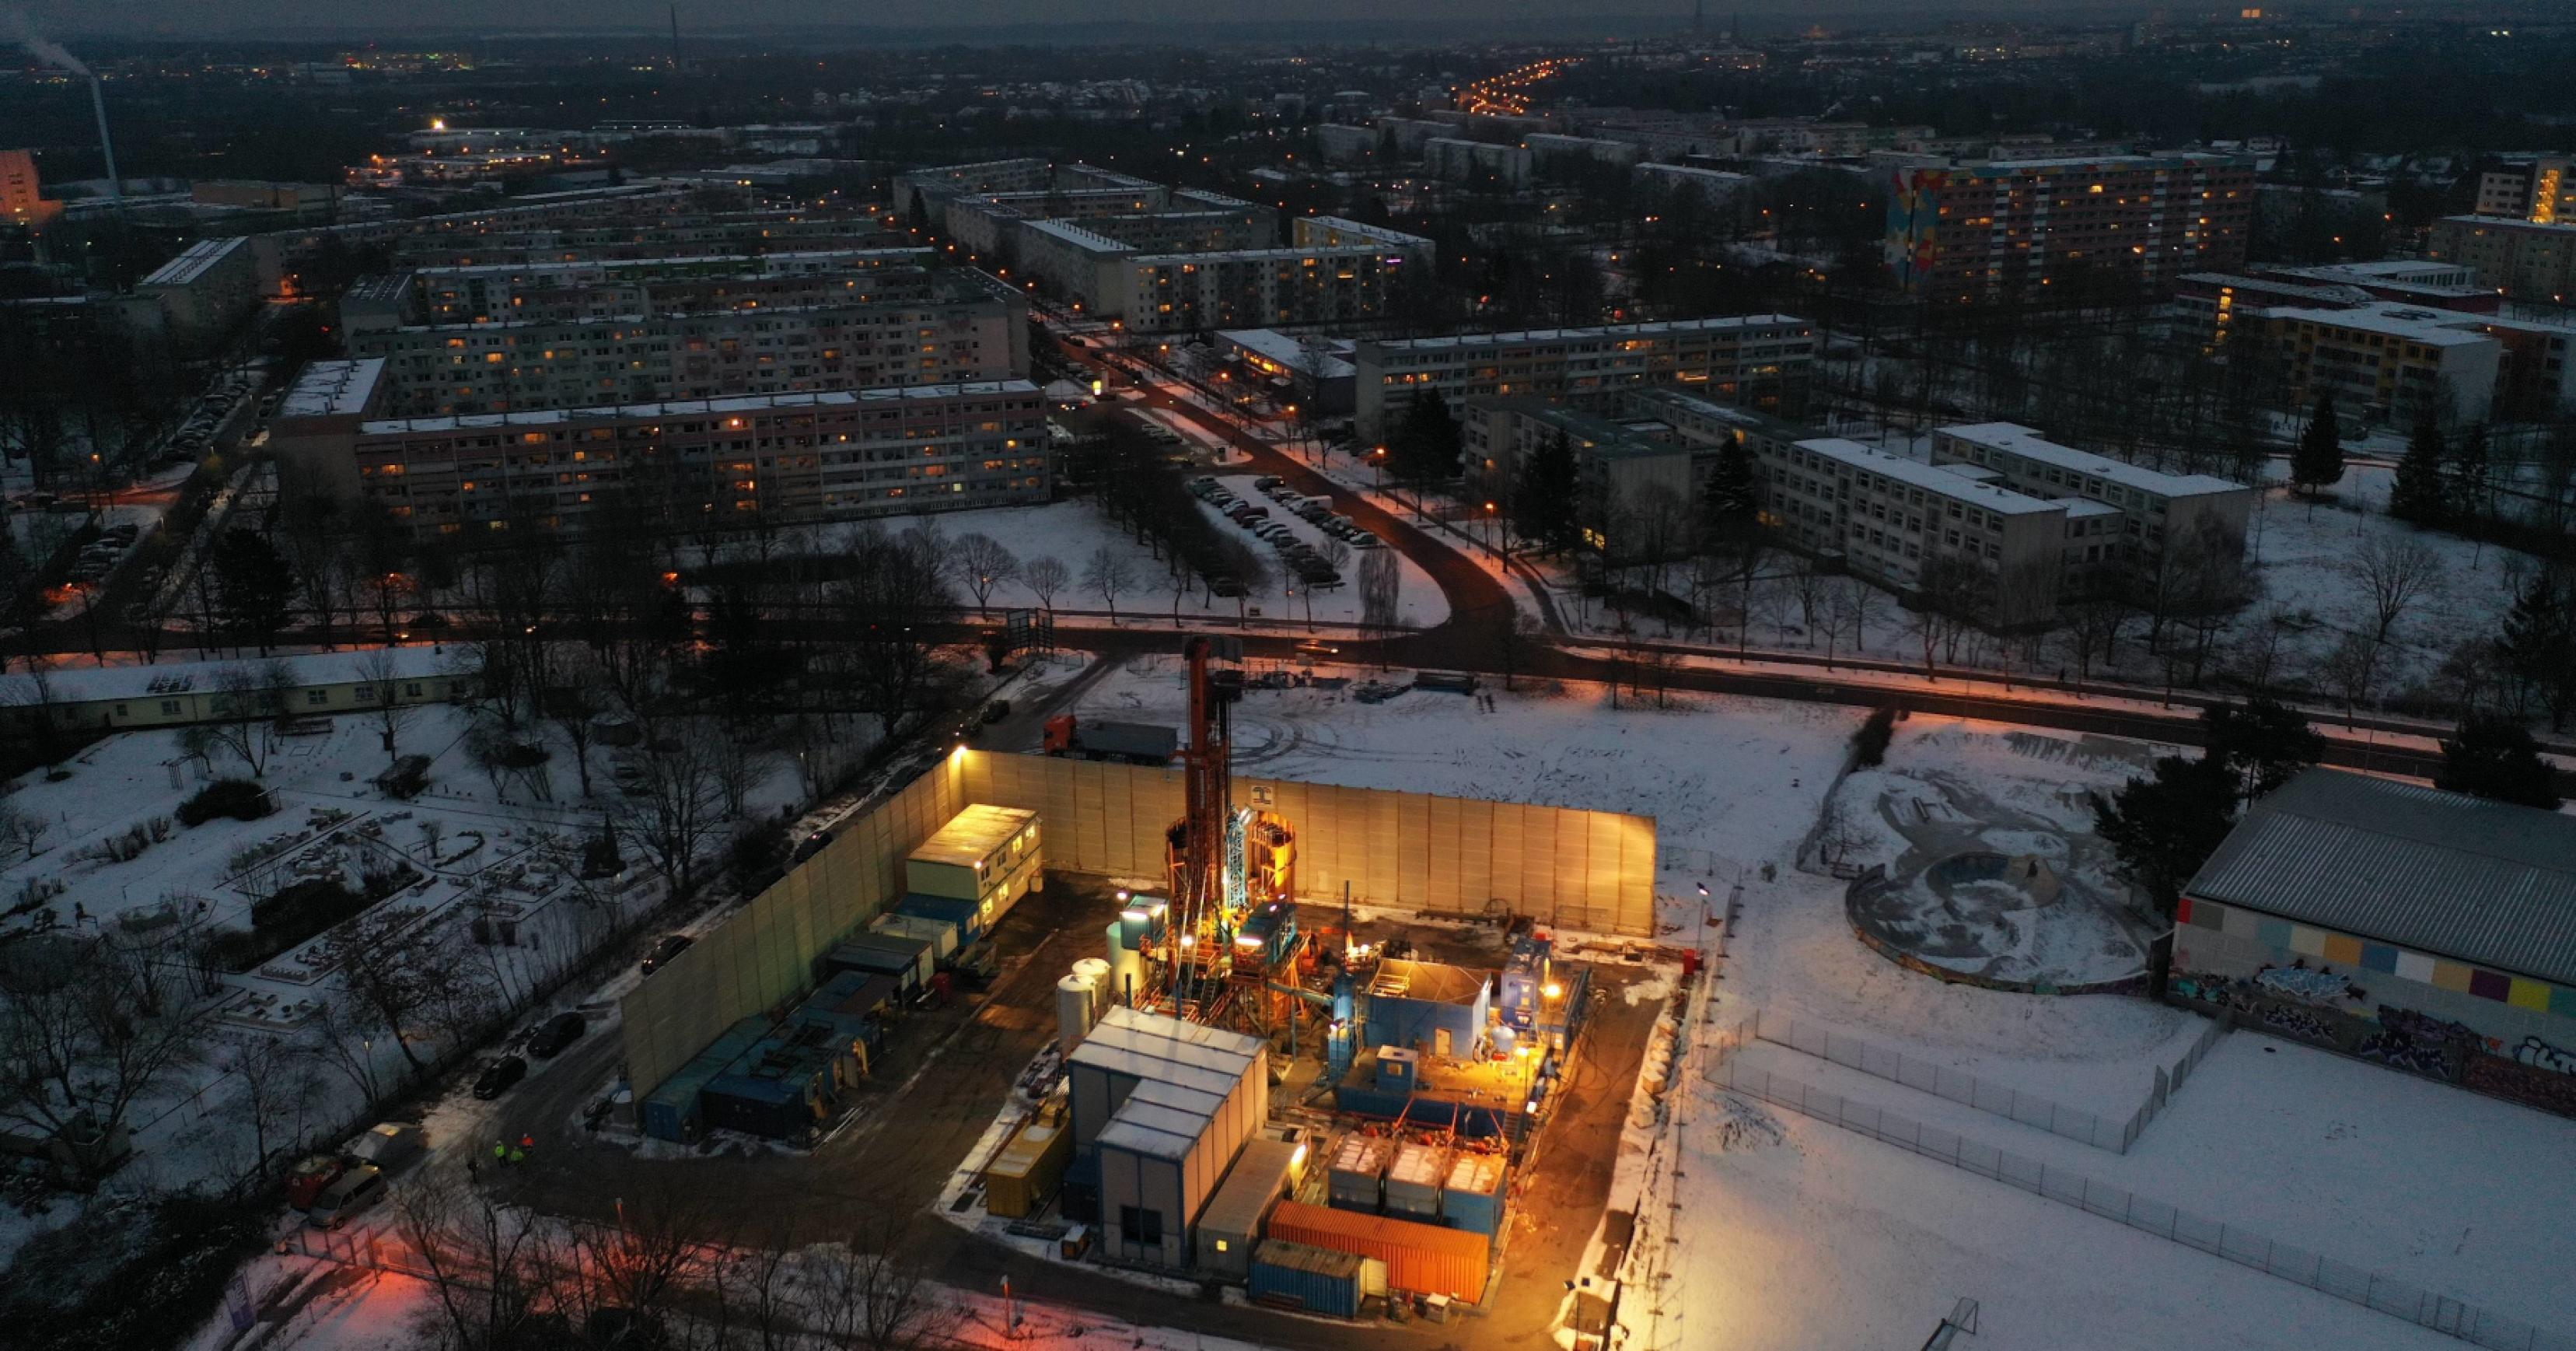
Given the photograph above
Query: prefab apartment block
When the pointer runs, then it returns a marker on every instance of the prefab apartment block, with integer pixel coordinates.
(1160, 1110)
(985, 854)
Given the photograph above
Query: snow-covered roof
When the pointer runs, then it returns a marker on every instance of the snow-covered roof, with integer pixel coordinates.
(2442, 873)
(2028, 443)
(94, 684)
(332, 388)
(1732, 321)
(195, 262)
(2432, 328)
(1930, 478)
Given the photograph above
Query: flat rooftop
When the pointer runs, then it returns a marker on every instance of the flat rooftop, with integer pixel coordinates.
(1538, 335)
(2432, 328)
(1930, 478)
(332, 388)
(748, 403)
(193, 264)
(2027, 442)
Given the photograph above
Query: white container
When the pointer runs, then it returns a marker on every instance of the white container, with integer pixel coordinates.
(1073, 999)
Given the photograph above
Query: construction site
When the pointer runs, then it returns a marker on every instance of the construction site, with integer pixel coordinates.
(1309, 1041)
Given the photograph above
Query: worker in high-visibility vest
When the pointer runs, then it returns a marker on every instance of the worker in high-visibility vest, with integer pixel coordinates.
(500, 1152)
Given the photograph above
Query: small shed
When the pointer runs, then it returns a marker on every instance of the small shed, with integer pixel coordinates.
(1429, 1007)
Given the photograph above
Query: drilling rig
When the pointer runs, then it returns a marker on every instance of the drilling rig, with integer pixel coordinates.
(1233, 871)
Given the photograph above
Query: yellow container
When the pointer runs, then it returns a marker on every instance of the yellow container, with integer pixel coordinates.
(1021, 1179)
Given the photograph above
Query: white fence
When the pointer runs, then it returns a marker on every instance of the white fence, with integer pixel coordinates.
(2385, 1294)
(1968, 1090)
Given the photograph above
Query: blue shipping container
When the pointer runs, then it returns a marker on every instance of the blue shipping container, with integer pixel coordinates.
(1318, 1280)
(670, 1111)
(946, 910)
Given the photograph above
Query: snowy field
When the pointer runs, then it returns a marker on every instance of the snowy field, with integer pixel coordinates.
(1070, 532)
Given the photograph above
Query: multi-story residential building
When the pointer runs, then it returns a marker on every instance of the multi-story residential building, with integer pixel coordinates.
(1344, 144)
(1334, 271)
(1104, 190)
(1891, 520)
(2540, 190)
(488, 292)
(942, 328)
(1463, 161)
(22, 193)
(1756, 360)
(2387, 363)
(1634, 491)
(1550, 147)
(2527, 260)
(822, 456)
(1980, 231)
(2156, 509)
(1710, 185)
(655, 236)
(198, 297)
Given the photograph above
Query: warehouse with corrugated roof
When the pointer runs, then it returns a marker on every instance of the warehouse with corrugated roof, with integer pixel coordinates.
(2426, 930)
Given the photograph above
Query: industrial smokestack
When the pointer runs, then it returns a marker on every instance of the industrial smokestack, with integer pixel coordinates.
(106, 146)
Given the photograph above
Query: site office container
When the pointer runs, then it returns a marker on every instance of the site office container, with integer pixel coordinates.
(1422, 1259)
(906, 959)
(985, 854)
(671, 1110)
(1318, 1280)
(1027, 1172)
(1231, 1224)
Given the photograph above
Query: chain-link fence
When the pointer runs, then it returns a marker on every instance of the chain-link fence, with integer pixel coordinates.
(2385, 1294)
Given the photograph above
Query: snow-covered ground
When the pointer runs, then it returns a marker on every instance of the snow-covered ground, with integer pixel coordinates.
(1070, 532)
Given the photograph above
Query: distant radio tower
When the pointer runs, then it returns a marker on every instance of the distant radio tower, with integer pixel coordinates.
(1699, 16)
(675, 37)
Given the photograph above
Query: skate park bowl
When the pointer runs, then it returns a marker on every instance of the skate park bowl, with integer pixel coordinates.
(2001, 921)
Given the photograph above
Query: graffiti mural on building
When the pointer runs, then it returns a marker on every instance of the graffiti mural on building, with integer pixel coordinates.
(2548, 1091)
(2540, 1055)
(2410, 1041)
(2305, 985)
(2294, 1022)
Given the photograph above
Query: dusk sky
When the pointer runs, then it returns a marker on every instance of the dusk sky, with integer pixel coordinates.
(277, 18)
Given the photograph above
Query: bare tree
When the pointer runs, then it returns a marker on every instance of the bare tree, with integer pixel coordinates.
(86, 1031)
(1044, 576)
(982, 564)
(680, 809)
(574, 696)
(411, 980)
(277, 1096)
(498, 1272)
(875, 1290)
(2351, 669)
(1109, 574)
(248, 705)
(380, 687)
(2393, 573)
(1381, 587)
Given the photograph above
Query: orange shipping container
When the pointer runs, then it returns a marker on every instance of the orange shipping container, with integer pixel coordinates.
(1422, 1258)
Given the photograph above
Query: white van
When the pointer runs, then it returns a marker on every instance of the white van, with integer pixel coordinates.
(352, 1193)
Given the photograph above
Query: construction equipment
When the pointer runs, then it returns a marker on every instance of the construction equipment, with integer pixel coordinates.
(1233, 871)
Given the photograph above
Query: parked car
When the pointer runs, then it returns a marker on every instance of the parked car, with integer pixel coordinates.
(672, 945)
(497, 1077)
(348, 1196)
(390, 1144)
(309, 1179)
(556, 1033)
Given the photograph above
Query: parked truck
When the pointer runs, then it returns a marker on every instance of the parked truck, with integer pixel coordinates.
(1136, 743)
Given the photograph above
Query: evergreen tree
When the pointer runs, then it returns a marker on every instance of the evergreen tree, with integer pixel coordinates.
(2539, 643)
(1426, 444)
(2259, 744)
(2467, 488)
(918, 214)
(1543, 499)
(1732, 503)
(2317, 460)
(2493, 757)
(2161, 829)
(2419, 494)
(254, 588)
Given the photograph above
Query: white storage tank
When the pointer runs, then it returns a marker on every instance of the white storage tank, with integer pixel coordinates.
(1096, 970)
(1073, 999)
(1126, 976)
